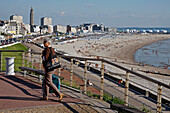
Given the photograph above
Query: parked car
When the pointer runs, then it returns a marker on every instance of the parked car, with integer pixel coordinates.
(29, 40)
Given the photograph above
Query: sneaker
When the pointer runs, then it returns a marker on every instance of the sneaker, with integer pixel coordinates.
(61, 97)
(44, 98)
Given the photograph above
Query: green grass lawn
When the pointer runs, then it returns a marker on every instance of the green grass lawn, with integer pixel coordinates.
(17, 55)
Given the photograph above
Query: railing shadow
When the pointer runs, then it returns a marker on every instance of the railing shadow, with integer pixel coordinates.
(18, 80)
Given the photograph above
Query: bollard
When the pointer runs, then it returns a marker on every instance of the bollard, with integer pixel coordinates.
(71, 73)
(40, 62)
(40, 78)
(23, 59)
(126, 88)
(102, 80)
(85, 76)
(159, 99)
(25, 73)
(59, 69)
(147, 93)
(10, 65)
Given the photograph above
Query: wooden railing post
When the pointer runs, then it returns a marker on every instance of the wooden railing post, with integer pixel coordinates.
(126, 88)
(40, 62)
(23, 59)
(85, 76)
(32, 60)
(71, 73)
(102, 80)
(59, 69)
(159, 99)
(0, 61)
(28, 59)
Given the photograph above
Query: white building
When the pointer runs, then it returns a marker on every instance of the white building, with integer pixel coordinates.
(46, 21)
(23, 31)
(50, 29)
(73, 30)
(60, 29)
(46, 29)
(27, 27)
(36, 28)
(17, 18)
(14, 27)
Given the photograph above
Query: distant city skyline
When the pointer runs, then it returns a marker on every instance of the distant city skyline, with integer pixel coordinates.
(112, 13)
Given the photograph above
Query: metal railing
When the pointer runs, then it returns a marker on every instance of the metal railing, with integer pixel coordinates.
(29, 57)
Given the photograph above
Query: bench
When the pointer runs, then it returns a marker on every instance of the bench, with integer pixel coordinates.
(39, 72)
(124, 109)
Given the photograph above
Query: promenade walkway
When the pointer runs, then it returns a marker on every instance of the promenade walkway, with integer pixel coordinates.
(19, 94)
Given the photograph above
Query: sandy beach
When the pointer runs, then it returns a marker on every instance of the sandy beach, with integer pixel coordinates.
(122, 48)
(115, 47)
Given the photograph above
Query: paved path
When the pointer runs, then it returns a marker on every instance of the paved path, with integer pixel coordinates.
(19, 94)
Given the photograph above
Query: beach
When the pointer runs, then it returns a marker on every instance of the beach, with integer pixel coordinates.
(120, 49)
(115, 47)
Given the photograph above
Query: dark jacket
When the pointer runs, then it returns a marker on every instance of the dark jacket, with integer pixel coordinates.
(46, 56)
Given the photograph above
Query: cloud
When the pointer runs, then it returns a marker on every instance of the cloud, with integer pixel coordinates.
(89, 5)
(61, 13)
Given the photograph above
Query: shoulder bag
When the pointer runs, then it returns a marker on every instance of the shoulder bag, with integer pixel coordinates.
(54, 64)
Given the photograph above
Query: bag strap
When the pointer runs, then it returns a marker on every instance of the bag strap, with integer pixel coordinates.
(51, 53)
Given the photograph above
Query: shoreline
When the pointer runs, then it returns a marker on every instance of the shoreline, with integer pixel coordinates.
(140, 46)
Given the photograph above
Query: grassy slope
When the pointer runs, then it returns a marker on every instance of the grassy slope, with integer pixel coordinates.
(17, 55)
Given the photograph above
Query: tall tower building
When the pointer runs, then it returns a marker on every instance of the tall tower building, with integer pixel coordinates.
(31, 17)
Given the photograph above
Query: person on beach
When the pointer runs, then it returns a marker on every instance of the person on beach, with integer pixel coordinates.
(120, 81)
(89, 83)
(47, 81)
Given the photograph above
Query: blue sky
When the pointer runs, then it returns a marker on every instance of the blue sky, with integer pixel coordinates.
(116, 13)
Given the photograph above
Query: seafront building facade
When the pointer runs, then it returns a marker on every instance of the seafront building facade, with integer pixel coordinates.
(17, 18)
(59, 29)
(46, 25)
(46, 21)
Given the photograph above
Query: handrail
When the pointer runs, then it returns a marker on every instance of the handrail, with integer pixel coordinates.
(137, 74)
(80, 58)
(120, 67)
(12, 51)
(34, 52)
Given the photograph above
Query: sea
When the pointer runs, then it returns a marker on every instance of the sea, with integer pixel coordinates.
(156, 54)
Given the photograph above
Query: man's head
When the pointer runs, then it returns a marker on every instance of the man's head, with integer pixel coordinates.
(46, 43)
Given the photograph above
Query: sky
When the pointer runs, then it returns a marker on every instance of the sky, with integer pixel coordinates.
(112, 13)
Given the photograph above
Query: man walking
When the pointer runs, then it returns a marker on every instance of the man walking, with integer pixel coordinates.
(47, 81)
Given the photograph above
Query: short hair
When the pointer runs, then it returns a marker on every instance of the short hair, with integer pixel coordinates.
(45, 41)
